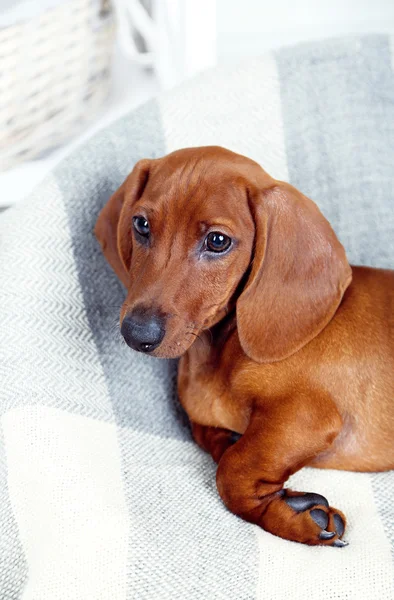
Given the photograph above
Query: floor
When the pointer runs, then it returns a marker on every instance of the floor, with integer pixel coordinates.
(131, 86)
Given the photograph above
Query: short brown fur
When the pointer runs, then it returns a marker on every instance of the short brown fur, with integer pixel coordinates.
(280, 340)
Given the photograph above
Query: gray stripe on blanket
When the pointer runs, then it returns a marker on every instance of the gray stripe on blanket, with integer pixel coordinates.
(340, 138)
(141, 388)
(13, 565)
(383, 488)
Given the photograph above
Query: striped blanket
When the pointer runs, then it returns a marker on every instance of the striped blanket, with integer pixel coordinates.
(103, 494)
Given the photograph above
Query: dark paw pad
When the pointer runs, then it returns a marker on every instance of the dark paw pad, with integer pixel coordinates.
(326, 535)
(320, 517)
(339, 524)
(306, 501)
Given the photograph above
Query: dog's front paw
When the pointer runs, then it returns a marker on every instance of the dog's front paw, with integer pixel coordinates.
(305, 517)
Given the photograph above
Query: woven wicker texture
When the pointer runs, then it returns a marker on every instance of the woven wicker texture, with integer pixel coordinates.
(55, 76)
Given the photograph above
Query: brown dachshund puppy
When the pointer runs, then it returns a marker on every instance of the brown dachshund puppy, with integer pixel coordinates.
(281, 341)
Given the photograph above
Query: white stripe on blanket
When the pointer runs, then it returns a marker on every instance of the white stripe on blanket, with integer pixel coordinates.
(258, 132)
(66, 491)
(363, 570)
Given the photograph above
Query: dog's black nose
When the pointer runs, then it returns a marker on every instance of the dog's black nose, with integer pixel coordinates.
(143, 331)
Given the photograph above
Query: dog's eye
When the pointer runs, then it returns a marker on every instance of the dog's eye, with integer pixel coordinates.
(217, 242)
(141, 225)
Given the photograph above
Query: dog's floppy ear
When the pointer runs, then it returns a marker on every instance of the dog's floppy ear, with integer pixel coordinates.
(298, 276)
(116, 247)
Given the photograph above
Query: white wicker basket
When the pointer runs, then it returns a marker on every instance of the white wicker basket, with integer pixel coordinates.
(55, 72)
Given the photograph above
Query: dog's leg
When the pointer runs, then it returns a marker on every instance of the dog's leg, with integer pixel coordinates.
(214, 440)
(280, 439)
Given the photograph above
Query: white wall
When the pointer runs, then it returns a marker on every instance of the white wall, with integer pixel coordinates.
(247, 27)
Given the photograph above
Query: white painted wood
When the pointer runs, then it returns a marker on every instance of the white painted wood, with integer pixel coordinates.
(199, 35)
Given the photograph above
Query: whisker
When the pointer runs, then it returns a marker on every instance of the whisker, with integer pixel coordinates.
(195, 334)
(202, 340)
(114, 332)
(115, 325)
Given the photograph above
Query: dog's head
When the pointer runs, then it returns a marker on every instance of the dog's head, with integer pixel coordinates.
(203, 230)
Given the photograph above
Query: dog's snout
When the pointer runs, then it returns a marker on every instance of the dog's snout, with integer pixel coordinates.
(143, 331)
